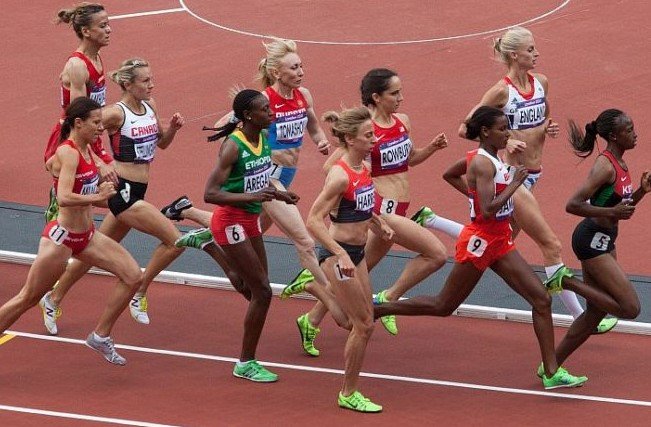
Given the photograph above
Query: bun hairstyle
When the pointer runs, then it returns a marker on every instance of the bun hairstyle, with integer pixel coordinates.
(483, 116)
(242, 102)
(276, 51)
(605, 124)
(79, 16)
(79, 108)
(375, 81)
(510, 42)
(127, 71)
(346, 122)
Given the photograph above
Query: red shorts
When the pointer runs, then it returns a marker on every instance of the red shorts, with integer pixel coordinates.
(230, 225)
(59, 235)
(53, 143)
(389, 206)
(482, 247)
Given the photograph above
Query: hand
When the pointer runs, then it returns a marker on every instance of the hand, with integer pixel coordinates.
(386, 231)
(645, 181)
(622, 210)
(106, 190)
(176, 122)
(107, 172)
(520, 174)
(323, 146)
(267, 194)
(552, 129)
(515, 146)
(288, 197)
(440, 142)
(346, 265)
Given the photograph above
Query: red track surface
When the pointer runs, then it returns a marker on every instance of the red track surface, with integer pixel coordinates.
(593, 54)
(186, 391)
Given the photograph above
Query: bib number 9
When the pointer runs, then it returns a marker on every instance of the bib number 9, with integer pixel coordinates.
(476, 246)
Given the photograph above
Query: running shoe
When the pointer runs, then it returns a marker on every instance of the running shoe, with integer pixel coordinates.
(606, 325)
(51, 312)
(138, 309)
(297, 285)
(52, 210)
(562, 378)
(541, 370)
(389, 322)
(174, 209)
(357, 402)
(554, 284)
(106, 348)
(198, 238)
(308, 335)
(253, 371)
(422, 215)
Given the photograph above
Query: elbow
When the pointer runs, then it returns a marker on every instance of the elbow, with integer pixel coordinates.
(571, 207)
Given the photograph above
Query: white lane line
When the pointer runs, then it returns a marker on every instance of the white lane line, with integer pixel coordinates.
(386, 377)
(57, 414)
(153, 12)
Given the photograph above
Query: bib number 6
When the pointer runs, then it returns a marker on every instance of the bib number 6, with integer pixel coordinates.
(235, 234)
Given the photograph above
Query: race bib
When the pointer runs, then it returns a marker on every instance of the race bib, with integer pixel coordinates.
(600, 241)
(145, 150)
(388, 206)
(276, 171)
(339, 274)
(256, 179)
(290, 130)
(90, 187)
(58, 234)
(395, 153)
(476, 246)
(364, 199)
(99, 95)
(235, 234)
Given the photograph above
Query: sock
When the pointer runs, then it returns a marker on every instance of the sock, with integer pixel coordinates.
(449, 227)
(569, 299)
(551, 269)
(239, 363)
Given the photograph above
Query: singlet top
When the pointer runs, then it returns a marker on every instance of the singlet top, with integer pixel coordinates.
(250, 173)
(357, 202)
(288, 128)
(136, 140)
(613, 193)
(95, 86)
(501, 180)
(390, 154)
(525, 110)
(86, 175)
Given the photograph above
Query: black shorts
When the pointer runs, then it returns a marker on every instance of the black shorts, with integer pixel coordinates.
(355, 252)
(128, 193)
(590, 240)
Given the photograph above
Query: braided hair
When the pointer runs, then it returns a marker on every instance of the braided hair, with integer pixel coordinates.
(242, 102)
(605, 124)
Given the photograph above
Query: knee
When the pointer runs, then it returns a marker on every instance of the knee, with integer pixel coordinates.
(305, 244)
(434, 306)
(133, 277)
(364, 328)
(262, 292)
(552, 245)
(542, 303)
(28, 299)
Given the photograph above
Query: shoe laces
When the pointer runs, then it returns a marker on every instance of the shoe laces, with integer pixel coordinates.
(311, 332)
(357, 400)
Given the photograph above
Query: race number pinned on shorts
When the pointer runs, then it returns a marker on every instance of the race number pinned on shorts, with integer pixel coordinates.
(476, 246)
(276, 171)
(235, 234)
(126, 192)
(58, 234)
(340, 274)
(389, 206)
(600, 241)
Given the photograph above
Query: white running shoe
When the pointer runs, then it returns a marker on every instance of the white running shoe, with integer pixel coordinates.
(138, 309)
(51, 312)
(106, 348)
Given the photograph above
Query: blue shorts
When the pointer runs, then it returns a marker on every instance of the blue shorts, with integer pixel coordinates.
(532, 179)
(284, 174)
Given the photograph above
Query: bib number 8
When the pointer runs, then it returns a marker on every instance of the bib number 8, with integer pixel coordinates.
(388, 206)
(476, 246)
(235, 234)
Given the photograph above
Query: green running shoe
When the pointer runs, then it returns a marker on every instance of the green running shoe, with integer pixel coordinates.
(52, 210)
(253, 371)
(198, 238)
(554, 284)
(357, 402)
(562, 378)
(422, 215)
(389, 322)
(308, 335)
(297, 285)
(606, 325)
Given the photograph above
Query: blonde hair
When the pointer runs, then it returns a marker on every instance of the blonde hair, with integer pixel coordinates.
(127, 71)
(346, 122)
(276, 50)
(79, 16)
(510, 42)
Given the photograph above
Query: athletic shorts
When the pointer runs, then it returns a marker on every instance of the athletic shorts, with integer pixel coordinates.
(128, 193)
(60, 236)
(389, 206)
(230, 225)
(355, 252)
(53, 143)
(532, 179)
(481, 247)
(284, 174)
(590, 240)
